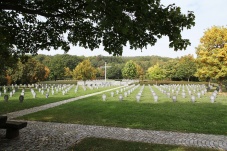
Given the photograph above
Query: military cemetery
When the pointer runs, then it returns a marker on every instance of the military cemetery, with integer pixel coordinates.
(113, 75)
(127, 97)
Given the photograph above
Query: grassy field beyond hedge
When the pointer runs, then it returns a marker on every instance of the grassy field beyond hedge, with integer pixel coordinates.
(183, 115)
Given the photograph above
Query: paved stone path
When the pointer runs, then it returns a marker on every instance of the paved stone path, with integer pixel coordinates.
(51, 105)
(57, 136)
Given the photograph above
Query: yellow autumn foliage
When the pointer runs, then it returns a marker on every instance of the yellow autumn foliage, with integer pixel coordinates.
(84, 71)
(212, 54)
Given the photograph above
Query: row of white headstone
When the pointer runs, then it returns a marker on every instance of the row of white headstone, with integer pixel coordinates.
(43, 89)
(155, 96)
(138, 96)
(123, 92)
(61, 88)
(194, 91)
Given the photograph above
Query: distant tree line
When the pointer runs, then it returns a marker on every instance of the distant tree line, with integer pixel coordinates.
(210, 64)
(64, 67)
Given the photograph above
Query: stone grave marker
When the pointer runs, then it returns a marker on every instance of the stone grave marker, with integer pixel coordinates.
(214, 94)
(10, 94)
(112, 94)
(129, 92)
(6, 98)
(117, 91)
(174, 98)
(183, 95)
(168, 95)
(212, 99)
(21, 98)
(189, 92)
(155, 98)
(34, 95)
(120, 97)
(203, 92)
(193, 98)
(199, 94)
(138, 98)
(104, 97)
(125, 94)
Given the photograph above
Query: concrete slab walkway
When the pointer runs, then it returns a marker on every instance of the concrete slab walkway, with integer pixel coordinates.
(58, 136)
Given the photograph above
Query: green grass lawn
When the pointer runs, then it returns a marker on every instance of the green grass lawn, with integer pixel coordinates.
(29, 102)
(96, 144)
(183, 115)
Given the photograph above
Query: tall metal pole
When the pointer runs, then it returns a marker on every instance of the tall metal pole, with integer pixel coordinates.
(105, 71)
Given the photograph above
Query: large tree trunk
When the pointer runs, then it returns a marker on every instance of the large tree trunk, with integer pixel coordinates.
(220, 85)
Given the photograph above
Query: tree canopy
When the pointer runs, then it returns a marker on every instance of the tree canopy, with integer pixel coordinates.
(170, 68)
(32, 25)
(30, 72)
(155, 73)
(84, 71)
(114, 72)
(186, 67)
(212, 55)
(129, 71)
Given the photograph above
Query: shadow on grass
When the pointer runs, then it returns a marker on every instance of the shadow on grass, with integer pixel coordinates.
(98, 144)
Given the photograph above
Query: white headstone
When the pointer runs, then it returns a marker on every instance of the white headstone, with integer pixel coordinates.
(112, 94)
(155, 98)
(125, 94)
(137, 98)
(10, 94)
(174, 97)
(34, 95)
(183, 95)
(212, 99)
(193, 98)
(120, 97)
(104, 97)
(199, 94)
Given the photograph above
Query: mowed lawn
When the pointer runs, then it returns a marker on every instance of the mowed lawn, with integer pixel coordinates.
(13, 103)
(183, 115)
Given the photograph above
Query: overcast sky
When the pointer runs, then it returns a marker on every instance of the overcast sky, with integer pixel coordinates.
(208, 13)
